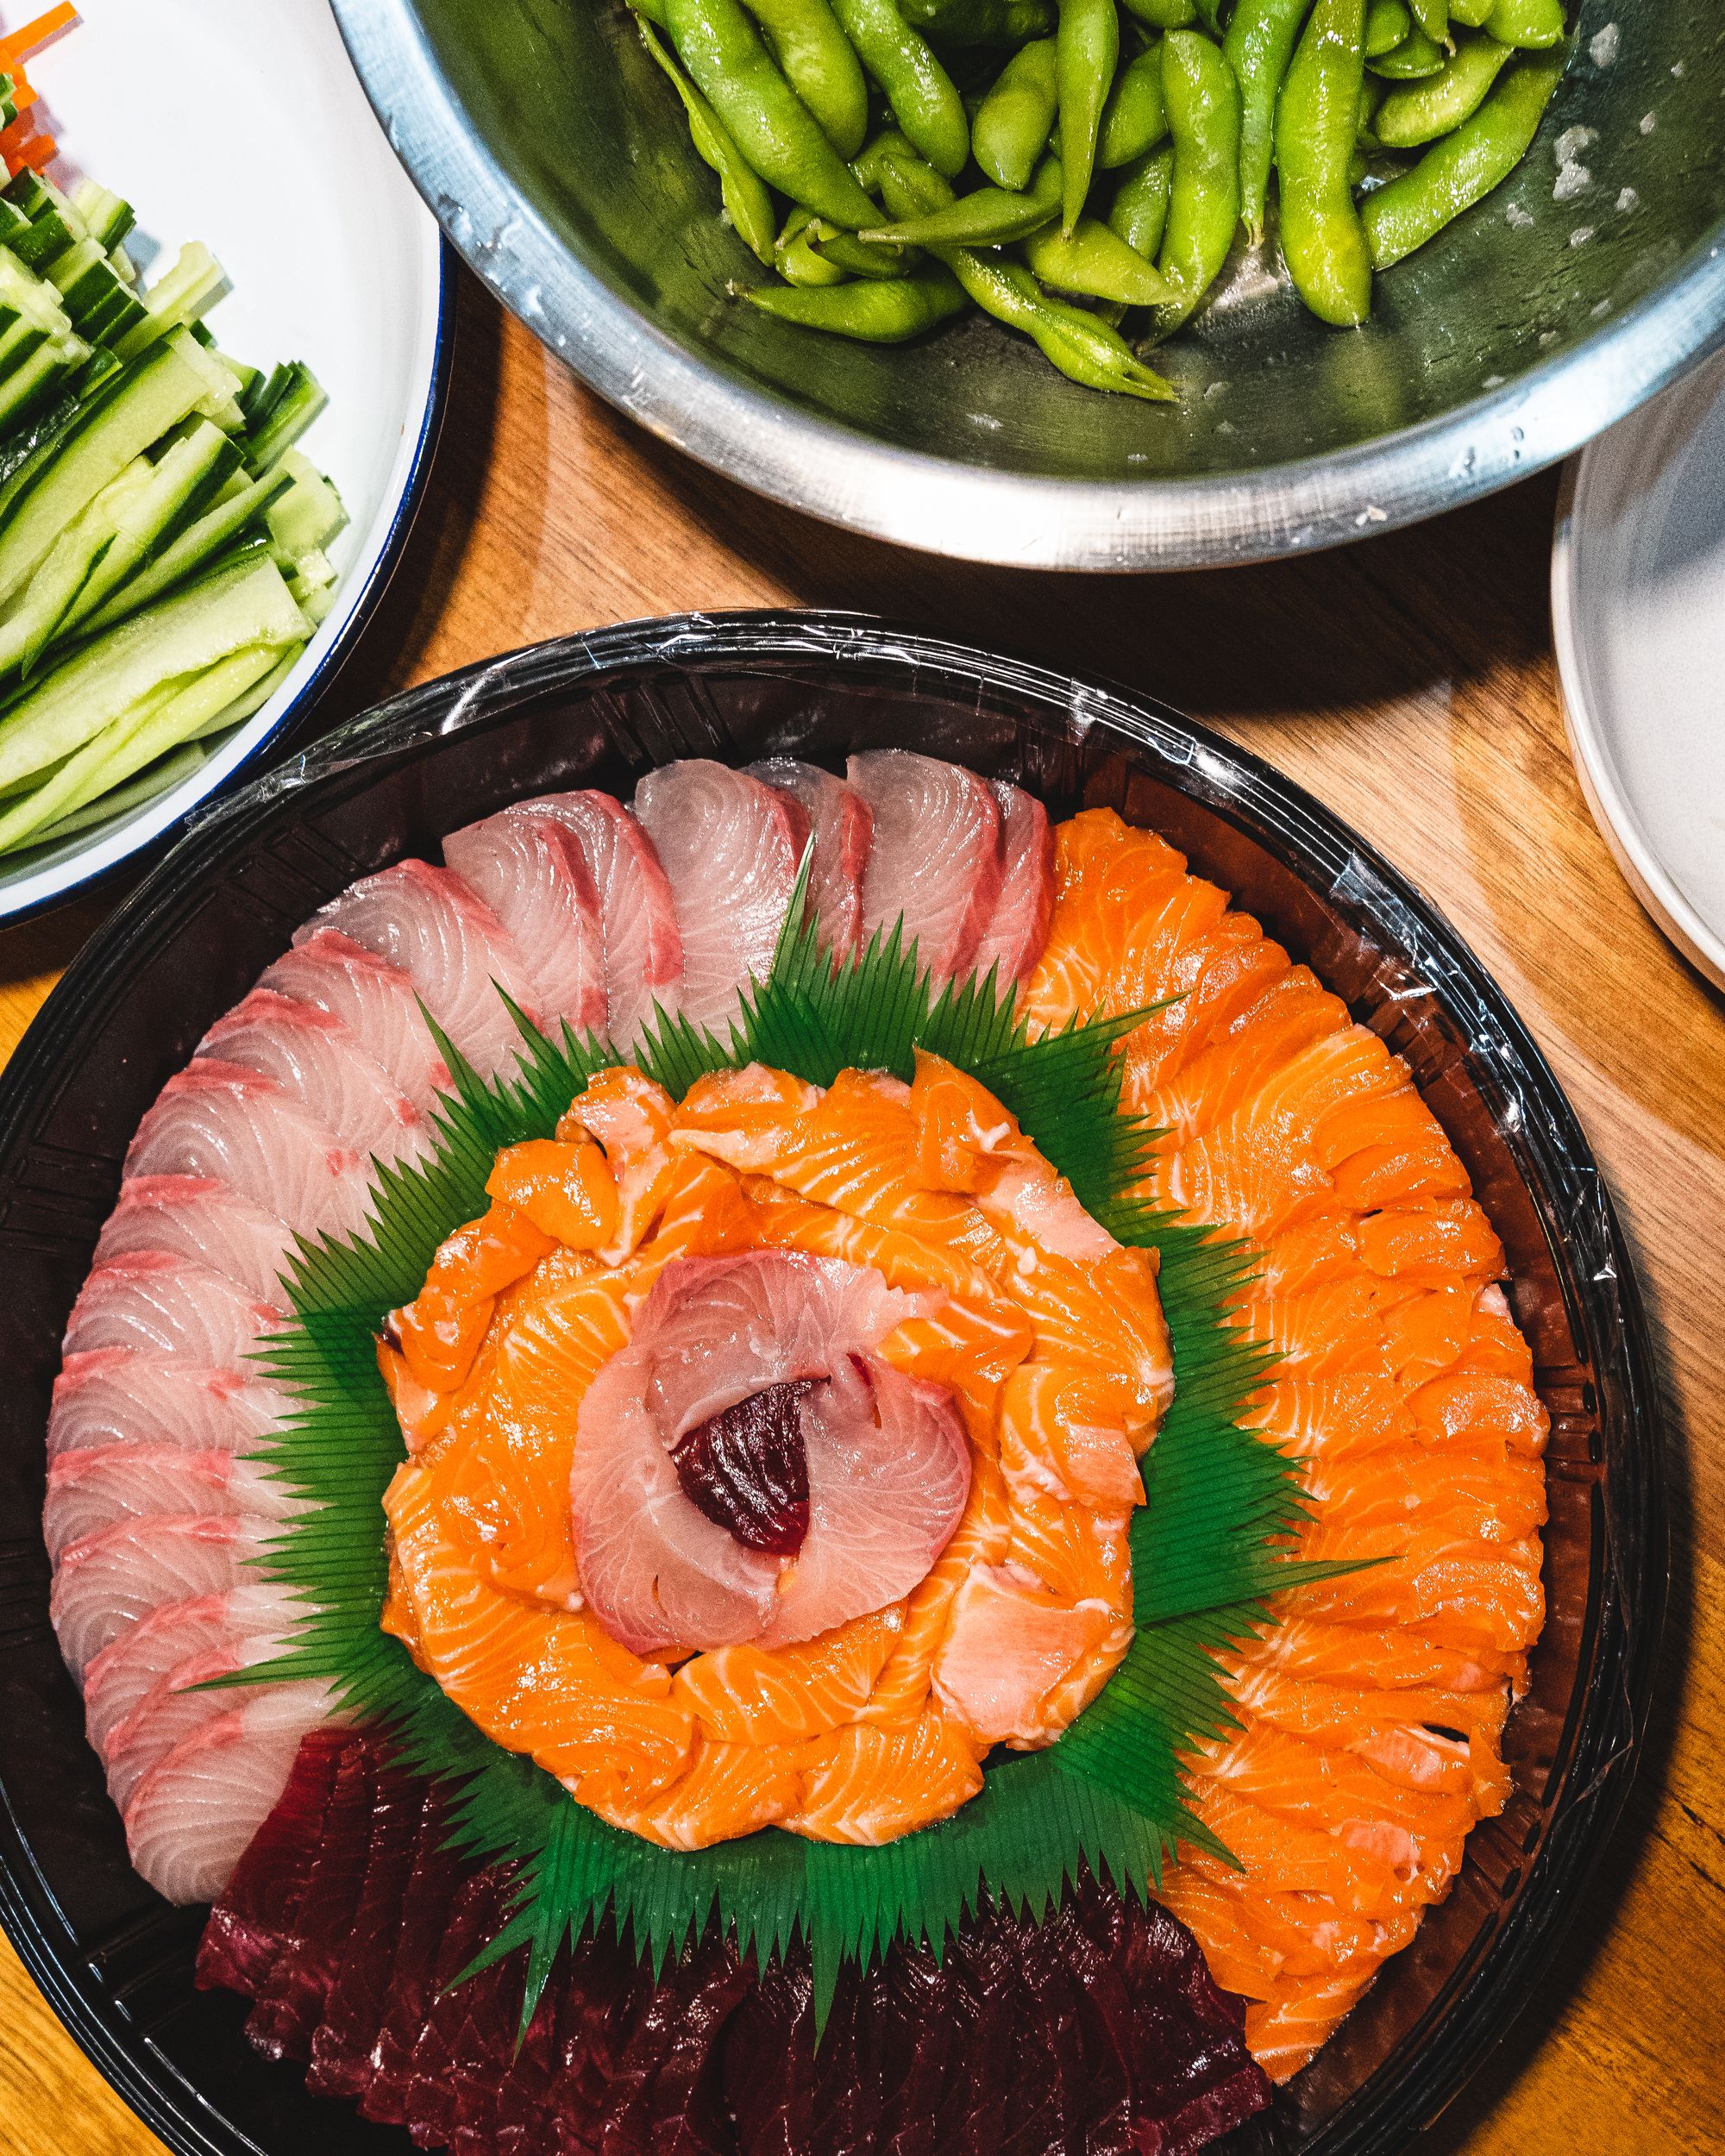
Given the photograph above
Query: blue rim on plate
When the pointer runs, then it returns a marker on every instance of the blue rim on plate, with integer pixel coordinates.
(115, 1961)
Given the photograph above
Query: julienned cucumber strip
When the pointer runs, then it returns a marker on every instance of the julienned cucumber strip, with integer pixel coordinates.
(248, 605)
(179, 297)
(289, 402)
(106, 217)
(254, 699)
(309, 513)
(192, 549)
(173, 769)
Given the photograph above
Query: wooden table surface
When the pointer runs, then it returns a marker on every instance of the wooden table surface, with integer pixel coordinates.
(1408, 682)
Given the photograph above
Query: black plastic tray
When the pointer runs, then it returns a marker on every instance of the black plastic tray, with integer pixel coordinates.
(115, 1961)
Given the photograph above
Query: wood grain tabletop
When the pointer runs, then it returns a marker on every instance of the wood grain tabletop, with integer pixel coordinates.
(1409, 683)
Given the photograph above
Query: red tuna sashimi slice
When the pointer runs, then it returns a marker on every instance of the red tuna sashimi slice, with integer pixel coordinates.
(1018, 927)
(428, 922)
(96, 1488)
(207, 1221)
(120, 1396)
(236, 1127)
(937, 858)
(248, 1932)
(169, 1305)
(323, 1063)
(730, 848)
(377, 1002)
(841, 825)
(191, 1816)
(109, 1580)
(175, 1708)
(888, 1471)
(530, 870)
(131, 1666)
(643, 947)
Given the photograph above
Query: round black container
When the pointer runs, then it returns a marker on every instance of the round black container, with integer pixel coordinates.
(115, 1961)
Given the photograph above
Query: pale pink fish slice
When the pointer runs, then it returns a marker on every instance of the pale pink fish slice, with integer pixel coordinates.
(531, 870)
(937, 858)
(197, 1218)
(167, 1305)
(106, 1582)
(99, 1486)
(193, 1814)
(176, 1706)
(730, 848)
(1018, 928)
(428, 923)
(643, 949)
(841, 825)
(134, 1664)
(125, 1396)
(222, 1122)
(377, 1002)
(656, 1572)
(888, 1470)
(1009, 1647)
(322, 1063)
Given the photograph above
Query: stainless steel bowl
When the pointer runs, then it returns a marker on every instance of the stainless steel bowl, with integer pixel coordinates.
(558, 162)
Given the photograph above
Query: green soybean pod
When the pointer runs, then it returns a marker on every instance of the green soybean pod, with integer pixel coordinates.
(1135, 118)
(1138, 213)
(770, 124)
(1203, 207)
(1457, 171)
(1085, 349)
(1471, 14)
(1432, 16)
(747, 203)
(1011, 127)
(793, 258)
(1095, 262)
(1416, 113)
(1316, 130)
(1387, 22)
(918, 88)
(875, 313)
(820, 65)
(1414, 57)
(1163, 15)
(1535, 25)
(969, 22)
(858, 256)
(1260, 44)
(987, 217)
(1087, 50)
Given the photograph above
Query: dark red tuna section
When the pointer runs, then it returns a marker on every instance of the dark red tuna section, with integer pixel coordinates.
(1098, 2031)
(747, 1468)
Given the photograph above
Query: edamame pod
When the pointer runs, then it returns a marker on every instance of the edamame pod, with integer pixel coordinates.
(1135, 118)
(1417, 113)
(1535, 25)
(918, 88)
(1415, 56)
(1012, 128)
(860, 257)
(1203, 207)
(1471, 14)
(1096, 262)
(960, 22)
(1455, 172)
(769, 124)
(820, 65)
(1085, 348)
(1387, 22)
(1261, 34)
(794, 259)
(989, 216)
(747, 203)
(1139, 210)
(1087, 49)
(1163, 15)
(1316, 127)
(875, 313)
(1432, 16)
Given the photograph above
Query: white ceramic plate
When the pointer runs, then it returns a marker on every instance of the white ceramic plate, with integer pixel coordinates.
(240, 122)
(1638, 596)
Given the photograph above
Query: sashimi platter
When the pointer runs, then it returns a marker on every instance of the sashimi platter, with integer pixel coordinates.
(801, 1418)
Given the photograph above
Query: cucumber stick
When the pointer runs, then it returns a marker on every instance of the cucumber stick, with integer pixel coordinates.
(171, 771)
(194, 548)
(119, 675)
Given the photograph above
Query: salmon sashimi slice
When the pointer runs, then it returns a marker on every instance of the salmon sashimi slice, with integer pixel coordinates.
(1108, 878)
(643, 945)
(128, 1670)
(191, 1816)
(1333, 1418)
(1480, 1597)
(377, 1002)
(751, 1695)
(1420, 1738)
(1377, 1659)
(963, 1132)
(1286, 2031)
(1495, 1344)
(1475, 1408)
(630, 1117)
(1259, 1936)
(1016, 929)
(1432, 1243)
(565, 1188)
(106, 1582)
(1076, 1555)
(530, 870)
(439, 1333)
(324, 1064)
(726, 1789)
(1066, 1434)
(1012, 1649)
(744, 1117)
(969, 1347)
(428, 923)
(841, 827)
(870, 1785)
(1485, 1500)
(168, 1306)
(980, 1540)
(221, 1123)
(731, 848)
(98, 1487)
(207, 1222)
(937, 857)
(1105, 1317)
(1284, 1855)
(117, 1396)
(1295, 1010)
